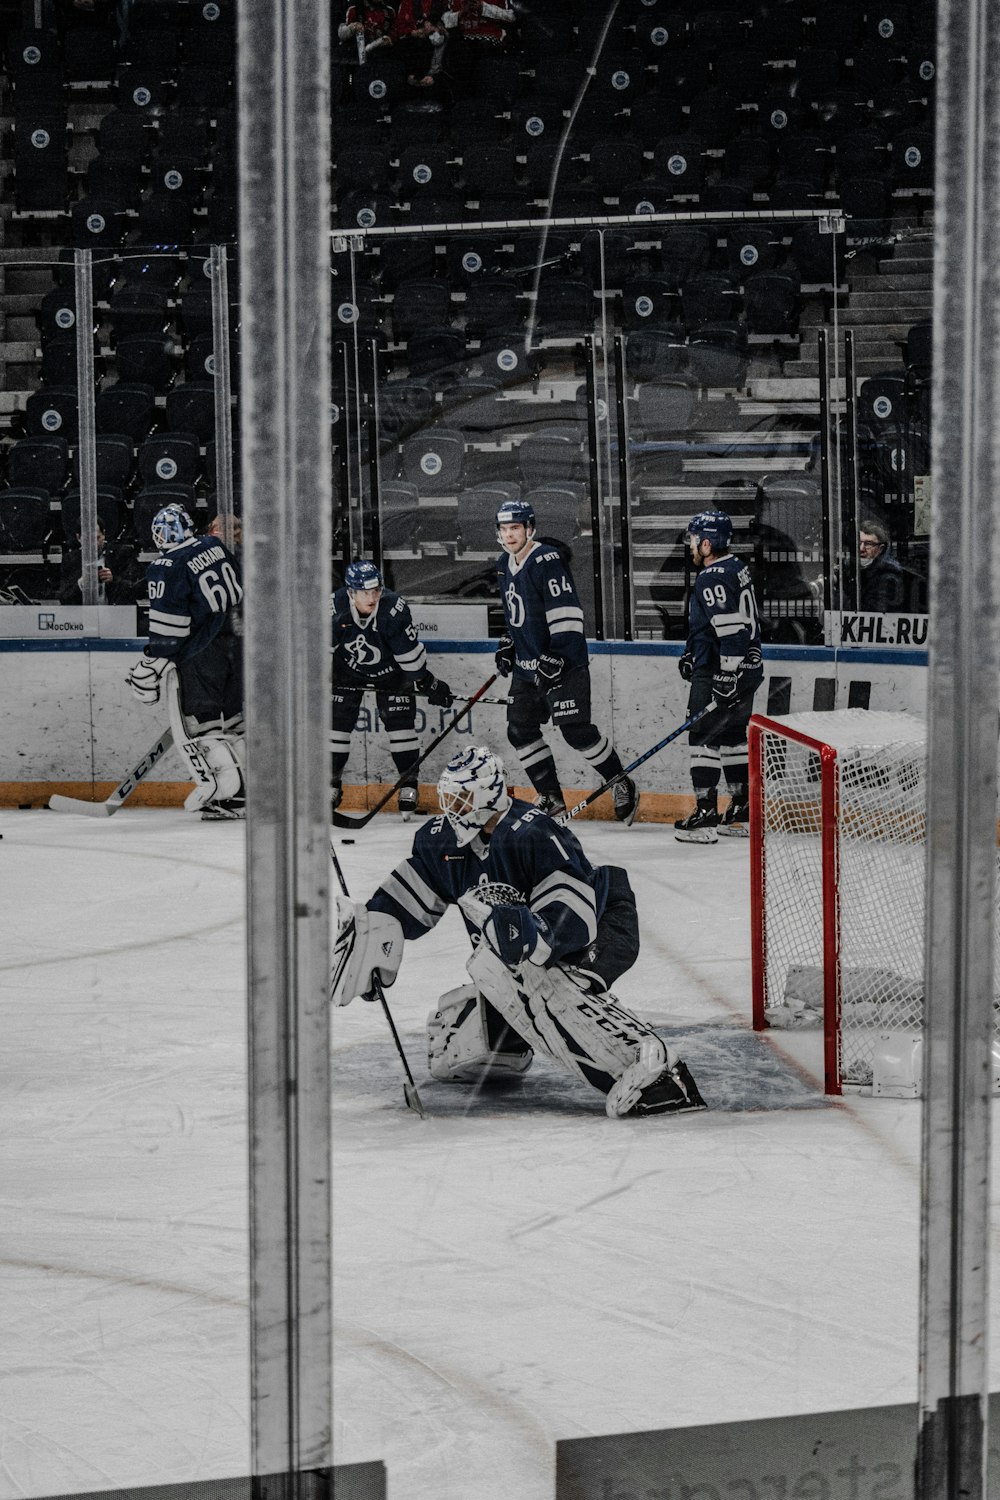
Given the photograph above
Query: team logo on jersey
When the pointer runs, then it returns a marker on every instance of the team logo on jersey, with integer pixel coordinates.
(362, 652)
(515, 607)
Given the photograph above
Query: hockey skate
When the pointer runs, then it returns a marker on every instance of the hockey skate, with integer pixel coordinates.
(700, 827)
(735, 821)
(626, 800)
(407, 802)
(657, 1083)
(551, 803)
(233, 809)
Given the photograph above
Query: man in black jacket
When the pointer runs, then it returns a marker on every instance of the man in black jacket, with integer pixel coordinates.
(883, 582)
(121, 577)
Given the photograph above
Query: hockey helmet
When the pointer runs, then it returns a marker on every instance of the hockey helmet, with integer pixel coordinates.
(171, 526)
(516, 513)
(715, 526)
(471, 789)
(362, 574)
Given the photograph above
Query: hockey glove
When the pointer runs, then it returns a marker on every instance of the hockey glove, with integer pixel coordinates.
(685, 666)
(750, 672)
(515, 933)
(505, 656)
(369, 944)
(145, 678)
(548, 672)
(724, 685)
(438, 692)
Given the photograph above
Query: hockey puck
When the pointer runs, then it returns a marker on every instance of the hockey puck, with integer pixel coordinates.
(343, 841)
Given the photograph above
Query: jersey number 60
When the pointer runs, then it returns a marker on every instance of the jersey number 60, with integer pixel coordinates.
(222, 593)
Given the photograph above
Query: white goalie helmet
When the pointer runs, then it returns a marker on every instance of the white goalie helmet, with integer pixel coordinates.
(472, 788)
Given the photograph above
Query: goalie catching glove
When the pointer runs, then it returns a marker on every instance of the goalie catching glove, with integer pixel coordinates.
(146, 677)
(369, 948)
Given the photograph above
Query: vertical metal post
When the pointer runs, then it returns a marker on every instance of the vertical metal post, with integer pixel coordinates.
(962, 755)
(223, 388)
(374, 476)
(831, 559)
(624, 493)
(595, 490)
(284, 113)
(86, 446)
(850, 576)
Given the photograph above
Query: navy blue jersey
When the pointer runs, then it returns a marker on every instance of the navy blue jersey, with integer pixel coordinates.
(538, 858)
(542, 609)
(371, 648)
(193, 589)
(722, 619)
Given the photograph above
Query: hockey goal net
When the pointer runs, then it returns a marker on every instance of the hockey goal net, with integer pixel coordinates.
(837, 829)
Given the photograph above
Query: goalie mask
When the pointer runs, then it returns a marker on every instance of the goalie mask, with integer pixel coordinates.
(471, 790)
(171, 526)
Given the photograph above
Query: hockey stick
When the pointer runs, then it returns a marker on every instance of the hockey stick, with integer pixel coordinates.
(344, 820)
(410, 1091)
(457, 698)
(577, 808)
(124, 788)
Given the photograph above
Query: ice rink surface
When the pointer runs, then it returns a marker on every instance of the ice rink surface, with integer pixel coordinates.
(513, 1270)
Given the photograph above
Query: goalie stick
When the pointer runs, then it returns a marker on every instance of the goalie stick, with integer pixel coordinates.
(123, 790)
(577, 808)
(410, 1092)
(344, 820)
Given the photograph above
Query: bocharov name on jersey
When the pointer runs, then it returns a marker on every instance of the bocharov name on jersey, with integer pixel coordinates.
(526, 852)
(541, 607)
(192, 589)
(723, 623)
(375, 646)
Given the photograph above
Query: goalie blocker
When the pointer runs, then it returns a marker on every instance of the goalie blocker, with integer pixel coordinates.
(551, 933)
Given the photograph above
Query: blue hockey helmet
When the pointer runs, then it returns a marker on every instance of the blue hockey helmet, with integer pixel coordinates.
(171, 526)
(516, 513)
(472, 788)
(715, 526)
(362, 574)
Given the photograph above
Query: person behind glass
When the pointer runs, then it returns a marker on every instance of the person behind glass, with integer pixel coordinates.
(544, 652)
(120, 574)
(476, 30)
(418, 35)
(722, 660)
(881, 580)
(368, 26)
(375, 645)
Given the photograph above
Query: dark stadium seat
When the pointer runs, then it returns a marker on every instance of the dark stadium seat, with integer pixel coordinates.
(25, 518)
(34, 62)
(113, 454)
(56, 313)
(149, 501)
(42, 462)
(558, 507)
(709, 297)
(399, 516)
(680, 161)
(477, 510)
(437, 352)
(164, 218)
(191, 408)
(433, 460)
(110, 508)
(52, 411)
(565, 307)
(684, 251)
(170, 458)
(477, 405)
(505, 357)
(771, 302)
(717, 354)
(146, 359)
(404, 406)
(126, 408)
(663, 408)
(648, 302)
(489, 168)
(882, 401)
(138, 310)
(656, 353)
(40, 156)
(419, 304)
(552, 453)
(59, 359)
(913, 158)
(492, 304)
(750, 248)
(423, 168)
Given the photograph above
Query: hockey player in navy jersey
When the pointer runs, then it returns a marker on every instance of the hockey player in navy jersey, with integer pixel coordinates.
(544, 652)
(194, 588)
(550, 932)
(375, 645)
(722, 661)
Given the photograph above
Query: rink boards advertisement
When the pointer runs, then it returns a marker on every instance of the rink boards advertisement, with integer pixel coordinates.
(72, 725)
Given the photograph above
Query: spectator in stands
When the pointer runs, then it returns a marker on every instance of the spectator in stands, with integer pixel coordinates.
(883, 581)
(420, 37)
(475, 29)
(228, 529)
(368, 25)
(120, 574)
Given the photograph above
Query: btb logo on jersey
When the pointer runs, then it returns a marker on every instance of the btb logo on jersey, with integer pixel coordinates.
(362, 652)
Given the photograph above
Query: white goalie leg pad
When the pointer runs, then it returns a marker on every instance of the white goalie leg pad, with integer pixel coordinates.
(216, 762)
(590, 1034)
(367, 942)
(458, 1042)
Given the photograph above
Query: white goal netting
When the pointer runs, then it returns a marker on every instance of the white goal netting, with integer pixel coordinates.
(839, 877)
